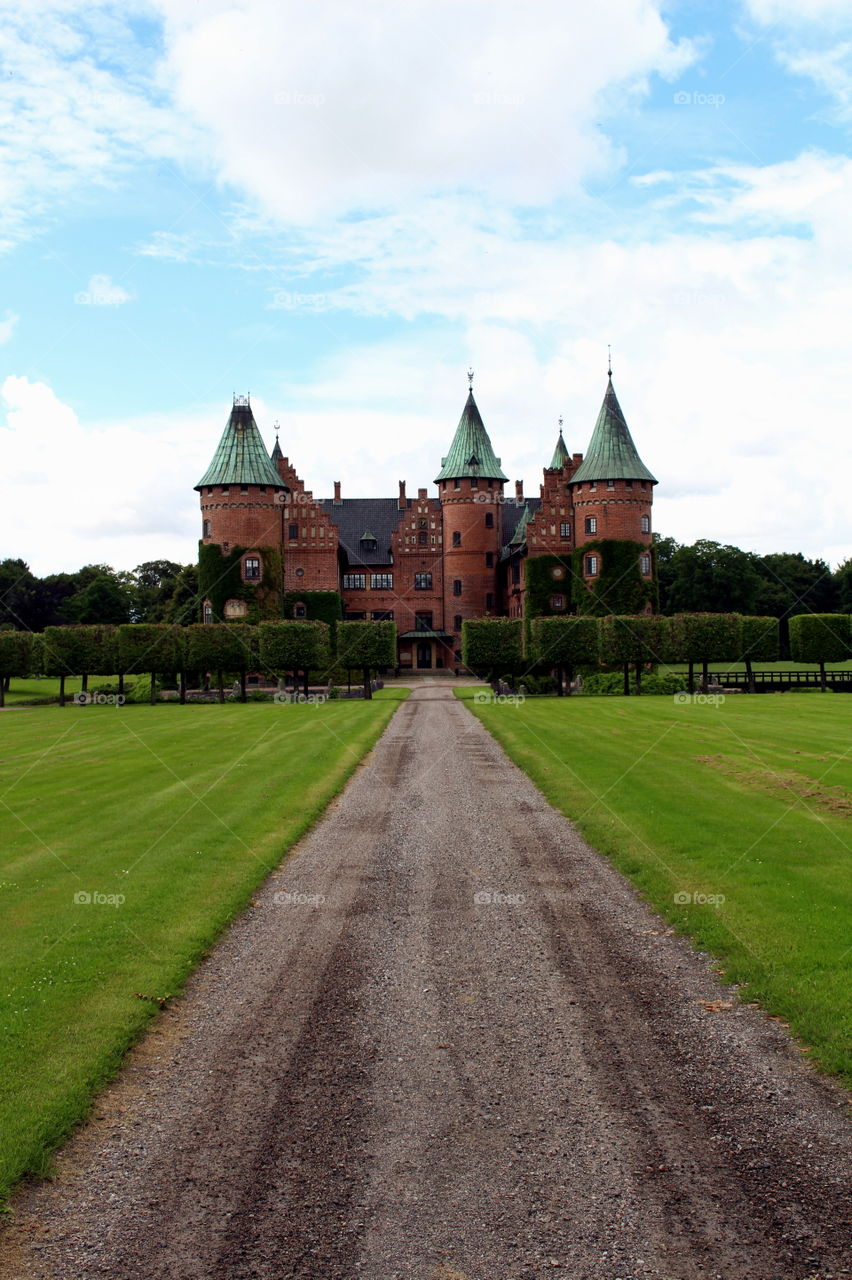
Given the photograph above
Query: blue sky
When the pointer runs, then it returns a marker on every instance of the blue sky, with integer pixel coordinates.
(339, 210)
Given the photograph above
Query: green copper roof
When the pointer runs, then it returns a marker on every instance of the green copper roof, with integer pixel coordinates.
(519, 537)
(611, 454)
(241, 457)
(560, 454)
(470, 453)
(276, 454)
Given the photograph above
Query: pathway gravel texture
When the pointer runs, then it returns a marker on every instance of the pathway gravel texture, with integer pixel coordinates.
(450, 1043)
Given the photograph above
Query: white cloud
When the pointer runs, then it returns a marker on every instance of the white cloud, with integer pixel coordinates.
(101, 291)
(812, 38)
(327, 109)
(7, 326)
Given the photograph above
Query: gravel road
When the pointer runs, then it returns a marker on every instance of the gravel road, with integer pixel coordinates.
(450, 1043)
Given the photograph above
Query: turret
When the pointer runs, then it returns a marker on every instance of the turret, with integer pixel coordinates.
(241, 517)
(470, 489)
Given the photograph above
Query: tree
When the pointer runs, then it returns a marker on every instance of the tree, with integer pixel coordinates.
(792, 584)
(630, 639)
(843, 584)
(761, 643)
(705, 638)
(491, 646)
(16, 657)
(367, 645)
(565, 643)
(295, 646)
(151, 647)
(710, 578)
(821, 638)
(220, 647)
(664, 550)
(104, 599)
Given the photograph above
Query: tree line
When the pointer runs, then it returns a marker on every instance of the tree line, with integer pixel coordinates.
(157, 591)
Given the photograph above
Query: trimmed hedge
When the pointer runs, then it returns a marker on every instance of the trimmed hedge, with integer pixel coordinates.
(821, 638)
(16, 657)
(492, 644)
(366, 645)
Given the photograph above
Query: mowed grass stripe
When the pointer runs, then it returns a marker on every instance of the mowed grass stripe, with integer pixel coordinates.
(749, 799)
(180, 811)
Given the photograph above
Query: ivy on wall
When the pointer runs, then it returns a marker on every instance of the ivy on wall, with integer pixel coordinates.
(619, 587)
(220, 579)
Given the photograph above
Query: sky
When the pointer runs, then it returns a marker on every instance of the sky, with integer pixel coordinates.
(339, 208)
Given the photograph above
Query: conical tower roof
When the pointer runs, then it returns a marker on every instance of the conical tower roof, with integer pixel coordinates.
(519, 537)
(241, 456)
(611, 454)
(470, 453)
(560, 453)
(276, 454)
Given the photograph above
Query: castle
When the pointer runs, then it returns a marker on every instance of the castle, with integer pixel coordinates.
(270, 549)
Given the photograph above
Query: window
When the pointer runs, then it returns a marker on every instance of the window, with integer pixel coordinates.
(300, 611)
(300, 573)
(591, 566)
(610, 484)
(593, 484)
(423, 524)
(251, 568)
(205, 529)
(422, 539)
(243, 488)
(368, 546)
(489, 559)
(645, 565)
(457, 587)
(457, 621)
(516, 573)
(226, 488)
(352, 615)
(457, 484)
(557, 603)
(489, 600)
(261, 488)
(646, 524)
(207, 612)
(354, 581)
(489, 519)
(381, 581)
(591, 524)
(456, 538)
(235, 609)
(382, 615)
(293, 531)
(209, 488)
(628, 484)
(423, 621)
(422, 582)
(564, 530)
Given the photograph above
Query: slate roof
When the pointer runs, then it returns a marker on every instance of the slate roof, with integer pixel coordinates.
(611, 454)
(378, 516)
(560, 454)
(241, 456)
(470, 453)
(515, 521)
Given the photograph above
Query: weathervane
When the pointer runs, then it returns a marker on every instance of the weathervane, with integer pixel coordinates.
(560, 424)
(608, 360)
(470, 379)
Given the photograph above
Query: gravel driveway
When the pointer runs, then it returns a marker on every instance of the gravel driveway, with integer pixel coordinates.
(449, 1043)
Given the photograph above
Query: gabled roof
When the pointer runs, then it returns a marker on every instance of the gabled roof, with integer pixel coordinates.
(560, 454)
(611, 454)
(519, 536)
(379, 516)
(470, 453)
(241, 456)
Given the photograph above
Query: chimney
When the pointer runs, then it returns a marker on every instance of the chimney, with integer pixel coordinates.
(421, 493)
(578, 458)
(337, 497)
(402, 500)
(519, 491)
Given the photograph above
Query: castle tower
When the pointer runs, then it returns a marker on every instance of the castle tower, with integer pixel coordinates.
(470, 490)
(239, 561)
(612, 492)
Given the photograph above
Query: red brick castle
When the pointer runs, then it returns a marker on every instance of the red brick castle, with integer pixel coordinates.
(269, 548)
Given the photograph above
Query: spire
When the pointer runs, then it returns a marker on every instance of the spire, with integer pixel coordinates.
(560, 453)
(611, 454)
(470, 453)
(276, 454)
(241, 456)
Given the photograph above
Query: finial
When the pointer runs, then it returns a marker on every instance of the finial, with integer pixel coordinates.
(560, 424)
(470, 380)
(608, 360)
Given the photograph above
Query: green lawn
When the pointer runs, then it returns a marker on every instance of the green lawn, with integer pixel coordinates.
(166, 818)
(758, 666)
(750, 799)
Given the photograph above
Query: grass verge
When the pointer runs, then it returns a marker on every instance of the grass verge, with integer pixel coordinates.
(748, 800)
(130, 837)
